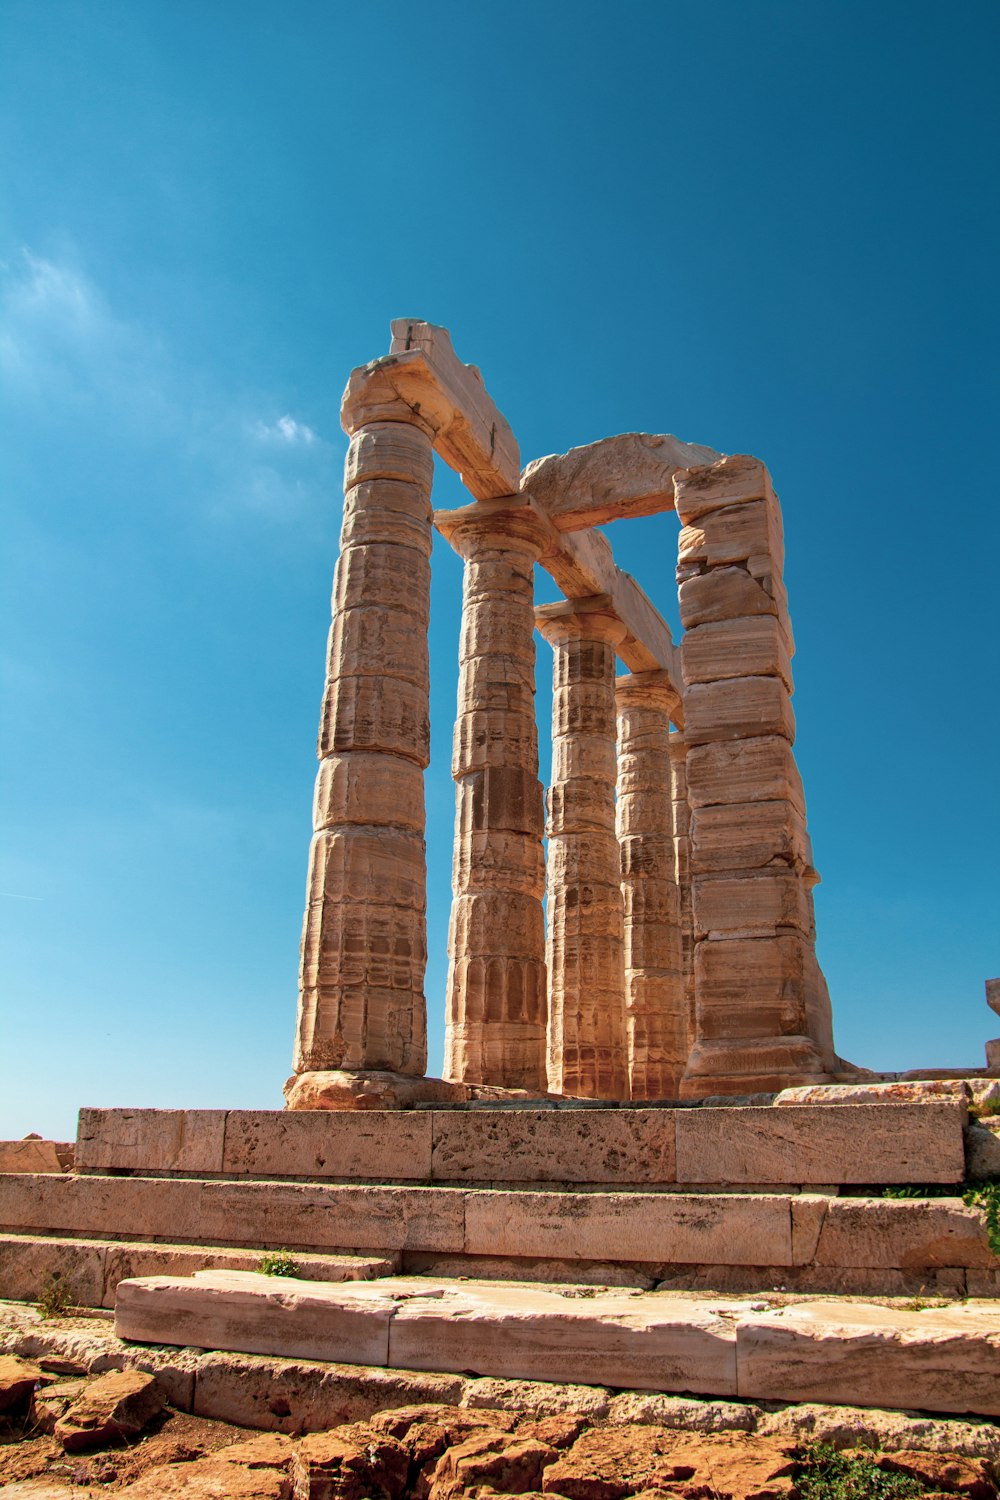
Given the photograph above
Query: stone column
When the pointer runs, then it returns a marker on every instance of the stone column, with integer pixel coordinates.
(762, 1009)
(586, 1041)
(993, 1047)
(361, 1000)
(682, 871)
(656, 1016)
(495, 1031)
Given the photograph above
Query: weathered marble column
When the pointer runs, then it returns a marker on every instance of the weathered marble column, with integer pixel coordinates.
(682, 870)
(495, 1031)
(762, 1008)
(361, 1000)
(656, 1009)
(586, 1038)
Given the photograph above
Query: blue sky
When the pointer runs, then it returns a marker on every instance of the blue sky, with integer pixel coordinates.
(770, 228)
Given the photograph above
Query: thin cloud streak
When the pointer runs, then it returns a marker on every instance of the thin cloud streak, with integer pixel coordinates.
(64, 350)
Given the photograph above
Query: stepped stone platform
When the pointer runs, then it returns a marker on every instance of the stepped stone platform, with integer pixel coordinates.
(721, 1199)
(94, 1267)
(751, 1241)
(668, 1148)
(940, 1359)
(277, 1394)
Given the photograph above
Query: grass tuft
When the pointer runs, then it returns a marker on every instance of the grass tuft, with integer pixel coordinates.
(825, 1473)
(278, 1263)
(56, 1297)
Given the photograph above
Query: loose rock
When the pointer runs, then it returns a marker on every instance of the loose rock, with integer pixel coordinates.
(943, 1471)
(356, 1462)
(18, 1379)
(117, 1405)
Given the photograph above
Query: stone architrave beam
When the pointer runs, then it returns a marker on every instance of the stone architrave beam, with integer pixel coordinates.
(450, 403)
(582, 565)
(616, 478)
(470, 433)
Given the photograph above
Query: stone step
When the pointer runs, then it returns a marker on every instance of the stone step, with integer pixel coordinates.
(92, 1268)
(805, 1241)
(794, 1146)
(935, 1359)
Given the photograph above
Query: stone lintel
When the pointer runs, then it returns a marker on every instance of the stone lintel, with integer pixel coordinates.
(582, 565)
(449, 398)
(613, 479)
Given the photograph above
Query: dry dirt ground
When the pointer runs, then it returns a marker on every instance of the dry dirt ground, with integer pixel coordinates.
(432, 1452)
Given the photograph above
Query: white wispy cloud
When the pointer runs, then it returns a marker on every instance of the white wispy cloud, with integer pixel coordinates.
(285, 430)
(67, 355)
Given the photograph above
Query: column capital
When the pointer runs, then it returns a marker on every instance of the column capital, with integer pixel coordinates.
(509, 521)
(590, 619)
(646, 690)
(370, 396)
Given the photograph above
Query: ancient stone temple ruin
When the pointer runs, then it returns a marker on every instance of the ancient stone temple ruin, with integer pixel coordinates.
(573, 1200)
(665, 947)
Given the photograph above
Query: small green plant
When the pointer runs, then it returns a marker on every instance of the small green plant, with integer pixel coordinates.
(825, 1473)
(986, 1195)
(921, 1190)
(278, 1263)
(56, 1297)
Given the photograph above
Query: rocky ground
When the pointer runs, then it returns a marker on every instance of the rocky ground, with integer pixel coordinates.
(64, 1436)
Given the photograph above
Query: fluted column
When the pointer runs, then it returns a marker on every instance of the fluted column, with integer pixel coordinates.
(495, 1030)
(681, 819)
(586, 1038)
(656, 1013)
(361, 999)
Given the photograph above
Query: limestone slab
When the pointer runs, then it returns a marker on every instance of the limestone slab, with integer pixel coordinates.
(936, 1090)
(288, 1395)
(761, 769)
(749, 987)
(30, 1155)
(736, 479)
(722, 537)
(760, 903)
(259, 1315)
(471, 434)
(738, 709)
(344, 1217)
(749, 836)
(940, 1359)
(725, 594)
(382, 1145)
(811, 1144)
(154, 1140)
(266, 1214)
(632, 1342)
(28, 1264)
(982, 1150)
(909, 1234)
(127, 1260)
(585, 1145)
(752, 646)
(657, 1227)
(628, 475)
(133, 1206)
